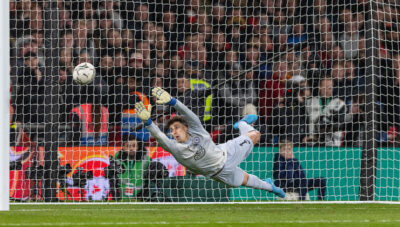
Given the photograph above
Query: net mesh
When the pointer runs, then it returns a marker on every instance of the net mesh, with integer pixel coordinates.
(322, 75)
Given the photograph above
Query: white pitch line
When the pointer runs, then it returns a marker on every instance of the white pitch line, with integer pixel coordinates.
(199, 222)
(155, 209)
(195, 209)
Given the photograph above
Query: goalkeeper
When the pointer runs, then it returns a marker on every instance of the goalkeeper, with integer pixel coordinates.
(194, 148)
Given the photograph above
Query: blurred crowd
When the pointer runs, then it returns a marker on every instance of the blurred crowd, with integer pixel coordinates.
(301, 65)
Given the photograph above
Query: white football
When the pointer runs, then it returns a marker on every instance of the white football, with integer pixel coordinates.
(84, 73)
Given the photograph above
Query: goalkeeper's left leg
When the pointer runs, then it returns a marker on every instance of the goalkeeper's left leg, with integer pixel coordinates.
(245, 128)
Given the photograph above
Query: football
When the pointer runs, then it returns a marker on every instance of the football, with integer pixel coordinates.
(84, 73)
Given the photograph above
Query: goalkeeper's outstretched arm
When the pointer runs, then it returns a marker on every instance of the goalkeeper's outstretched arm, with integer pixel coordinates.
(161, 138)
(164, 98)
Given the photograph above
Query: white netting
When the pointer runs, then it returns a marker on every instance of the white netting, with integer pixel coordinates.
(322, 75)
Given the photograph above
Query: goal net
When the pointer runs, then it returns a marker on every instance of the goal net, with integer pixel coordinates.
(323, 77)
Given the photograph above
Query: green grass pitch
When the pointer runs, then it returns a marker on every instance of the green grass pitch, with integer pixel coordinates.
(202, 215)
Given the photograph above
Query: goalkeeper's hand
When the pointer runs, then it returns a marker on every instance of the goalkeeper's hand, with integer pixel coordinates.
(163, 97)
(143, 113)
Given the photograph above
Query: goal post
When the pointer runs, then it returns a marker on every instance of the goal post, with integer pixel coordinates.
(4, 105)
(322, 76)
(369, 154)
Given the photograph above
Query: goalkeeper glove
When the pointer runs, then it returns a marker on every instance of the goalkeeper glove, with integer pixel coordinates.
(163, 97)
(143, 113)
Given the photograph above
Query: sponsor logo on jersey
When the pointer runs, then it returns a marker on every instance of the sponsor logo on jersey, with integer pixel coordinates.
(199, 153)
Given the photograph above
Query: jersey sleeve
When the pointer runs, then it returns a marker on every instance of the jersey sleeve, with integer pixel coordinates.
(162, 139)
(192, 119)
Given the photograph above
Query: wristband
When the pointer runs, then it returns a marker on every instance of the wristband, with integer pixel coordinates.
(148, 122)
(172, 102)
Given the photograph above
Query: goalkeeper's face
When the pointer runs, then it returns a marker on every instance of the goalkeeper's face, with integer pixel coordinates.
(179, 131)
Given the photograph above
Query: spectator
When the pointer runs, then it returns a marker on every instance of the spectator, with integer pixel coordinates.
(30, 100)
(81, 40)
(346, 80)
(390, 36)
(120, 66)
(139, 173)
(65, 19)
(192, 11)
(272, 90)
(218, 17)
(38, 37)
(28, 44)
(252, 56)
(322, 26)
(128, 40)
(290, 176)
(200, 65)
(135, 61)
(176, 65)
(66, 59)
(298, 34)
(146, 49)
(237, 94)
(68, 91)
(105, 24)
(205, 26)
(338, 53)
(236, 36)
(67, 39)
(290, 117)
(193, 42)
(355, 129)
(111, 8)
(13, 18)
(127, 96)
(36, 17)
(327, 115)
(236, 17)
(160, 45)
(231, 57)
(389, 87)
(327, 40)
(160, 71)
(114, 41)
(141, 16)
(84, 56)
(345, 17)
(266, 44)
(349, 39)
(89, 15)
(269, 7)
(217, 51)
(149, 33)
(196, 94)
(90, 123)
(105, 71)
(172, 30)
(279, 25)
(22, 18)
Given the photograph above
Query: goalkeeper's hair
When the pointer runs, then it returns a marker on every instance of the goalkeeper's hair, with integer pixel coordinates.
(177, 119)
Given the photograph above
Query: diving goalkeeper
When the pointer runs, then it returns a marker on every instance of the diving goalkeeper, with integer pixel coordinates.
(192, 145)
